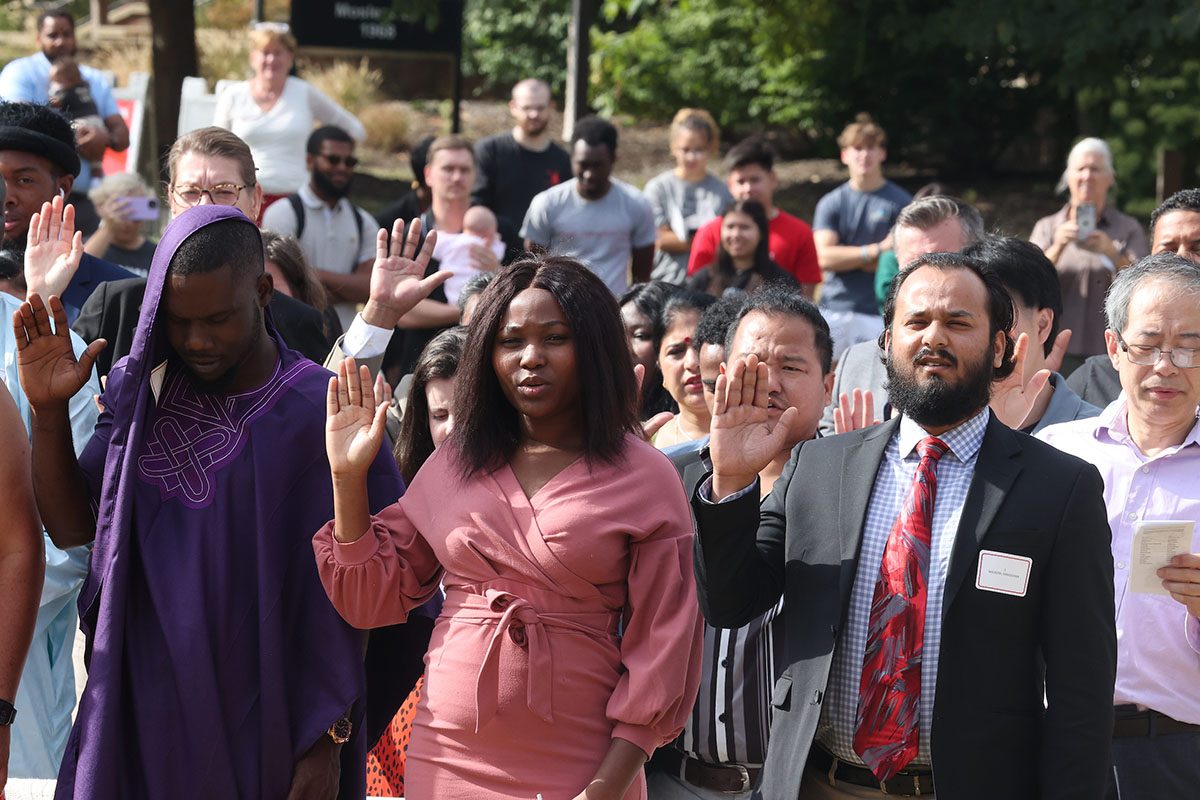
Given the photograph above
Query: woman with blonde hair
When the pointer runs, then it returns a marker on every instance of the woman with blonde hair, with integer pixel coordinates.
(274, 112)
(687, 196)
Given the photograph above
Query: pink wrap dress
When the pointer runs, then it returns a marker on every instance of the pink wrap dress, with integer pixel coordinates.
(570, 619)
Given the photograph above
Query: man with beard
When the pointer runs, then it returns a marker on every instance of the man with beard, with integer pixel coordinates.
(336, 236)
(27, 80)
(954, 574)
(39, 165)
(217, 668)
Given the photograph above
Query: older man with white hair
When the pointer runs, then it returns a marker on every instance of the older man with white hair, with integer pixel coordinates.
(1088, 241)
(1146, 444)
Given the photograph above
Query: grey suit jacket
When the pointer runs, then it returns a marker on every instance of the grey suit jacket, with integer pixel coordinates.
(860, 367)
(992, 737)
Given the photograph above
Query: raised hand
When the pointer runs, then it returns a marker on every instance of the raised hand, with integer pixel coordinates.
(397, 278)
(853, 416)
(1014, 397)
(743, 441)
(53, 250)
(1058, 350)
(46, 364)
(354, 421)
(655, 423)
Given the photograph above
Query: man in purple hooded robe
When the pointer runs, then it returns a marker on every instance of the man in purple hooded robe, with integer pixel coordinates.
(217, 667)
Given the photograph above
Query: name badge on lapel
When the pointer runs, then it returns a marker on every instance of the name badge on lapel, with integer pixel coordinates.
(1003, 573)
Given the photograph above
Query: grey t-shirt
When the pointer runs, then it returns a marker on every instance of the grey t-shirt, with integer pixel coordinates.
(684, 206)
(858, 218)
(601, 233)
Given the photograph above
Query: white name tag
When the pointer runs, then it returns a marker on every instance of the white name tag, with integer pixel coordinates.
(1003, 572)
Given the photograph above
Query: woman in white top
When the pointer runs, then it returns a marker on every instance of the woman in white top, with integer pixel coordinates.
(274, 112)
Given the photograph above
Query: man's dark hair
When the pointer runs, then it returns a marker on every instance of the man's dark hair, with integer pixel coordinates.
(594, 131)
(1183, 200)
(229, 242)
(1025, 271)
(487, 427)
(999, 302)
(326, 133)
(54, 12)
(42, 119)
(716, 319)
(774, 301)
(754, 150)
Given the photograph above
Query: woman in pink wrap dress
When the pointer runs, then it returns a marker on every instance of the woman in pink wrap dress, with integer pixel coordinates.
(568, 647)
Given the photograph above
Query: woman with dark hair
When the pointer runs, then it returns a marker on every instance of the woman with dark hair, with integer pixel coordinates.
(744, 258)
(552, 525)
(288, 266)
(641, 315)
(679, 363)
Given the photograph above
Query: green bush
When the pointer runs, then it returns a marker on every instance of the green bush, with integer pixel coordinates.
(509, 40)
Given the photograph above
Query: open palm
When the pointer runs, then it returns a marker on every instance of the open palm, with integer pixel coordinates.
(355, 420)
(742, 441)
(46, 363)
(54, 249)
(398, 279)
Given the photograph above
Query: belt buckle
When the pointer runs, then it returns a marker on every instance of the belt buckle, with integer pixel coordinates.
(745, 776)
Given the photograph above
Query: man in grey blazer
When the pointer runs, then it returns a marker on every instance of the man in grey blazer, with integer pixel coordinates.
(1013, 646)
(935, 224)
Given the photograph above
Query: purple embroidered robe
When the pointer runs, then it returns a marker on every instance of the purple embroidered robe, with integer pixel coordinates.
(216, 659)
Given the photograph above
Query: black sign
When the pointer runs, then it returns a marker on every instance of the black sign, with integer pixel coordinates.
(423, 26)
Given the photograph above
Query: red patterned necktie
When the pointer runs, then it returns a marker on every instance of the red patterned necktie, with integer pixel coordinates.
(886, 733)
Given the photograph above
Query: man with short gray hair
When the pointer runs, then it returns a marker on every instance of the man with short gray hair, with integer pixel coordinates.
(936, 224)
(1146, 444)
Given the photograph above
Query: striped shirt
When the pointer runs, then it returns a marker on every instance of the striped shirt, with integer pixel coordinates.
(892, 484)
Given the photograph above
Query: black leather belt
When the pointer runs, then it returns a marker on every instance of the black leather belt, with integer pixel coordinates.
(906, 783)
(731, 778)
(1132, 722)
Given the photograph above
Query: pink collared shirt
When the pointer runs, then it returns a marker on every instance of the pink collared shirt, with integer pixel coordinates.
(1158, 641)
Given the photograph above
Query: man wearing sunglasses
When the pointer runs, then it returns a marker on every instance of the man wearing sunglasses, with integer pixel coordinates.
(1146, 444)
(337, 237)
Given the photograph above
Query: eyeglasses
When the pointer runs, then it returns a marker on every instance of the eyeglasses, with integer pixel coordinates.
(1145, 355)
(223, 194)
(337, 161)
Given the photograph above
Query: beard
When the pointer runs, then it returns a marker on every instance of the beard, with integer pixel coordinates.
(328, 188)
(934, 402)
(12, 257)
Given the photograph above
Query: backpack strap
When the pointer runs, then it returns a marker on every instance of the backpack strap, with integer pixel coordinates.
(298, 208)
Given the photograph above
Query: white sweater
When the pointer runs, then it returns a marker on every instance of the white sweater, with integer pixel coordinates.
(277, 137)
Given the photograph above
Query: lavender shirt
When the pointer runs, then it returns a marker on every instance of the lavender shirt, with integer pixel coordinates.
(1158, 642)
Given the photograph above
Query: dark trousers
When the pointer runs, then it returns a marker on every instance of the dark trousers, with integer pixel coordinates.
(1155, 767)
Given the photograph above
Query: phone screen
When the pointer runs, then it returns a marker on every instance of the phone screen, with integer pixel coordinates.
(1085, 219)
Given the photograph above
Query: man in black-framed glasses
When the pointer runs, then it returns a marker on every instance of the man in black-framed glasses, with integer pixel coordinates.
(1146, 444)
(337, 237)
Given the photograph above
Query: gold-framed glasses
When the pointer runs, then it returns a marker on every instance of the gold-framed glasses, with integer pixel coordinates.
(223, 194)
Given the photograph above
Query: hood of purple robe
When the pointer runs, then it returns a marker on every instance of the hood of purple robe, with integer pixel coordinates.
(149, 349)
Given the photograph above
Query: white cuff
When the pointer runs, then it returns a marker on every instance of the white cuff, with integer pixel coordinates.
(363, 340)
(704, 491)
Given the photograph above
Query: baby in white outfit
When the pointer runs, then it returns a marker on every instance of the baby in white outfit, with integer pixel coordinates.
(453, 250)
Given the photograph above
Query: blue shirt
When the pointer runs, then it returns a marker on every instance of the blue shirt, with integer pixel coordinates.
(28, 80)
(858, 218)
(46, 694)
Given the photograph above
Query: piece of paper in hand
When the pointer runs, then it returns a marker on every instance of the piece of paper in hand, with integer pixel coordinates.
(1154, 545)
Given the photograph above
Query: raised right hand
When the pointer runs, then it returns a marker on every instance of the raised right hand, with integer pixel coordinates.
(49, 372)
(742, 441)
(855, 412)
(355, 420)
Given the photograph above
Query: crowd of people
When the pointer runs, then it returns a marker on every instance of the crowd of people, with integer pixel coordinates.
(676, 496)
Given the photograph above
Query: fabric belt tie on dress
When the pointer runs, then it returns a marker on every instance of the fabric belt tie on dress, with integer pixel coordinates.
(521, 622)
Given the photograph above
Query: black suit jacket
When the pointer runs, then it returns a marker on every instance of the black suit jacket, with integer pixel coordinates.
(991, 735)
(112, 310)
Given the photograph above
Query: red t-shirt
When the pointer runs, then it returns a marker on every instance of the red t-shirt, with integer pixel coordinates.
(789, 238)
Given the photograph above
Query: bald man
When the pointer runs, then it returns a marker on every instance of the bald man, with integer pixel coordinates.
(515, 166)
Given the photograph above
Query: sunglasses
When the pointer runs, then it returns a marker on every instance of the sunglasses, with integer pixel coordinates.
(337, 161)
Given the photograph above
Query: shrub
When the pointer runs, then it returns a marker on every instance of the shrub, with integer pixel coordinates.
(352, 87)
(387, 126)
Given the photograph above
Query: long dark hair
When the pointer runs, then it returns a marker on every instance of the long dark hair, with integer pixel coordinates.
(487, 429)
(439, 359)
(724, 274)
(649, 299)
